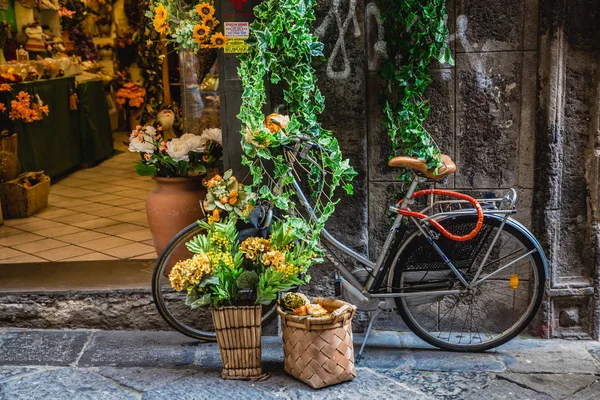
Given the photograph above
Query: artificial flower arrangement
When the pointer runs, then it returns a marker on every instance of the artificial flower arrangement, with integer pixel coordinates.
(131, 94)
(187, 27)
(272, 132)
(227, 271)
(225, 194)
(23, 108)
(189, 155)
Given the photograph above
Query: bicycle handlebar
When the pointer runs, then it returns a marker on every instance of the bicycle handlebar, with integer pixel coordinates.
(437, 225)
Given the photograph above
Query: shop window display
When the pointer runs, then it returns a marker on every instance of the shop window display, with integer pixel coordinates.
(93, 72)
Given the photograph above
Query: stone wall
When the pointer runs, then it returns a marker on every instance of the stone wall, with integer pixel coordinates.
(521, 66)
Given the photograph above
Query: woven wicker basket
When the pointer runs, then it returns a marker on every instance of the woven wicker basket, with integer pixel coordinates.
(239, 330)
(320, 351)
(19, 201)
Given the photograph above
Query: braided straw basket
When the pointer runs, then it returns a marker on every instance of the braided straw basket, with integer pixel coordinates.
(238, 332)
(319, 351)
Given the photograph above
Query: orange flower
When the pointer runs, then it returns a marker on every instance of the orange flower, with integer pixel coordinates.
(163, 146)
(224, 200)
(5, 87)
(215, 215)
(2, 107)
(147, 157)
(233, 200)
(233, 193)
(217, 178)
(218, 40)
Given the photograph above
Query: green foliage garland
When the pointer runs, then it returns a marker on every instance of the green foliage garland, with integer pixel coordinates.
(415, 33)
(148, 57)
(281, 46)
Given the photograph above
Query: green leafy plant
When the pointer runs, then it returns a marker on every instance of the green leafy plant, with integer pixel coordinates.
(281, 49)
(415, 34)
(225, 272)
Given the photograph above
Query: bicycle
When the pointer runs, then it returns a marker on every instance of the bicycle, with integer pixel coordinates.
(471, 290)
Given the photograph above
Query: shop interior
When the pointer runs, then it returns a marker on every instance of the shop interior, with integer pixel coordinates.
(76, 76)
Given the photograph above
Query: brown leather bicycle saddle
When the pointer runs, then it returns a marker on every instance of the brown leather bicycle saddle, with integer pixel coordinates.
(448, 167)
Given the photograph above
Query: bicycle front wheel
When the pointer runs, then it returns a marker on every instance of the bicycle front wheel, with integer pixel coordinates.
(510, 292)
(171, 304)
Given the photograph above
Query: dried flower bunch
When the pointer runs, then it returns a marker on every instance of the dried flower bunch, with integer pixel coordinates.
(226, 194)
(187, 27)
(225, 271)
(23, 108)
(188, 155)
(131, 94)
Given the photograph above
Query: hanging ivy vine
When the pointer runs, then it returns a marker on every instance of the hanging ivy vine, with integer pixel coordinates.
(281, 48)
(415, 33)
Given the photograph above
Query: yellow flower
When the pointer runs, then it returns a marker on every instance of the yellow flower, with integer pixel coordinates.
(253, 247)
(191, 271)
(200, 33)
(275, 259)
(218, 40)
(209, 21)
(205, 9)
(161, 15)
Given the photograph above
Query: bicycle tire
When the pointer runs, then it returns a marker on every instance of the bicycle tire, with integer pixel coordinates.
(159, 284)
(402, 274)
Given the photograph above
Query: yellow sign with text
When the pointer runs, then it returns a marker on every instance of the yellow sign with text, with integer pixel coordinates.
(236, 46)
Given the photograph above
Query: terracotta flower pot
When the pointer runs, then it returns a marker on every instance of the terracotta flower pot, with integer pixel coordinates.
(171, 206)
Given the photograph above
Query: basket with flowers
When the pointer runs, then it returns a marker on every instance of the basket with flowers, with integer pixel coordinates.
(235, 273)
(187, 27)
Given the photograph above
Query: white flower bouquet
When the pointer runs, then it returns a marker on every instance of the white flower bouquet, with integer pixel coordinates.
(189, 155)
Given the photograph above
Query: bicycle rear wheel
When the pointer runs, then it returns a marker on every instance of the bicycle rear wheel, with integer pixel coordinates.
(491, 314)
(171, 304)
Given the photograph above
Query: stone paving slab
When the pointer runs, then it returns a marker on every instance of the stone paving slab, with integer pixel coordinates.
(41, 347)
(556, 386)
(139, 348)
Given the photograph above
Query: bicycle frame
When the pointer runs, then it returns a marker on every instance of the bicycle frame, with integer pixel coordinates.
(365, 292)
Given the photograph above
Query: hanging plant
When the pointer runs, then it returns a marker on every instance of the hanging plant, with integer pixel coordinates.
(415, 33)
(281, 48)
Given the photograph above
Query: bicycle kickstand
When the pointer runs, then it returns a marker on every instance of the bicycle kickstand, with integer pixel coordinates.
(369, 328)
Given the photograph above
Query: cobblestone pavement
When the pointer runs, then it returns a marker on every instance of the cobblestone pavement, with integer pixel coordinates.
(73, 365)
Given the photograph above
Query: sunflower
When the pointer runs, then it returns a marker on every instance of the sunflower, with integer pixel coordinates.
(209, 21)
(218, 40)
(200, 33)
(205, 10)
(161, 14)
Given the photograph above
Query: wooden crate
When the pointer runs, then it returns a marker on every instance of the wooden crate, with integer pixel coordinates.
(20, 201)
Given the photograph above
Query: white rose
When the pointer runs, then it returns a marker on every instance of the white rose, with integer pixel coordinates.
(150, 130)
(196, 143)
(213, 134)
(178, 150)
(141, 143)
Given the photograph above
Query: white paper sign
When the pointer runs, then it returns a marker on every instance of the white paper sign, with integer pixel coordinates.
(237, 30)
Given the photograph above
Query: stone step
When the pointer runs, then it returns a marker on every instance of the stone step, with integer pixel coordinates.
(88, 295)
